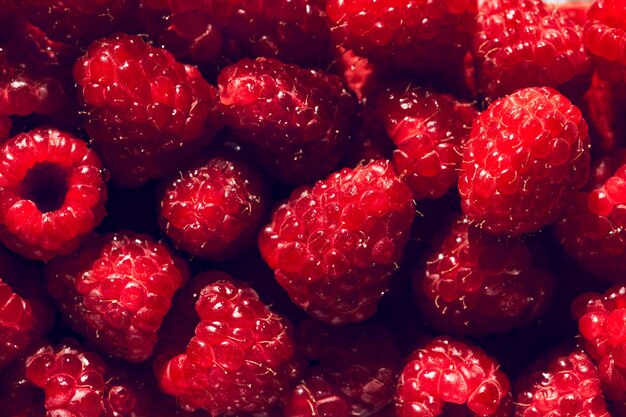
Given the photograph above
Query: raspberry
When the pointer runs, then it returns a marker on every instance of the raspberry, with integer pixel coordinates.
(568, 385)
(16, 323)
(300, 120)
(428, 130)
(214, 210)
(146, 112)
(474, 283)
(423, 35)
(448, 373)
(605, 38)
(358, 73)
(527, 153)
(601, 107)
(334, 246)
(526, 43)
(577, 11)
(115, 291)
(240, 357)
(52, 193)
(18, 397)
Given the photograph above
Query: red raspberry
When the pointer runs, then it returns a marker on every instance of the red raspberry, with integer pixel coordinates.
(422, 35)
(576, 10)
(526, 43)
(428, 130)
(52, 193)
(528, 152)
(568, 385)
(214, 211)
(447, 372)
(299, 119)
(474, 283)
(16, 323)
(240, 357)
(334, 246)
(146, 112)
(601, 107)
(357, 72)
(605, 37)
(115, 291)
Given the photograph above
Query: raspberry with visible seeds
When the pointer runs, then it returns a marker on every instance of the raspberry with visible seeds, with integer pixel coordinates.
(334, 246)
(115, 290)
(527, 153)
(605, 38)
(447, 374)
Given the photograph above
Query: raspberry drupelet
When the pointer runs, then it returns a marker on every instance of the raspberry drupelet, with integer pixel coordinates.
(526, 155)
(52, 193)
(334, 246)
(115, 291)
(448, 373)
(605, 38)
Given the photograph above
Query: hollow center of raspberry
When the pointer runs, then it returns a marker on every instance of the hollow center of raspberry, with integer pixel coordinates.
(45, 185)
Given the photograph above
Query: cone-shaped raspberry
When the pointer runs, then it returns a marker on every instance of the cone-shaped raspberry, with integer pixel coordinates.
(52, 193)
(334, 246)
(115, 291)
(605, 38)
(527, 153)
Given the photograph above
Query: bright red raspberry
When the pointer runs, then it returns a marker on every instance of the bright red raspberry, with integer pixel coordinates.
(115, 291)
(52, 193)
(428, 130)
(526, 43)
(214, 211)
(528, 152)
(16, 323)
(240, 357)
(334, 246)
(300, 120)
(423, 35)
(605, 38)
(576, 10)
(568, 384)
(146, 112)
(447, 372)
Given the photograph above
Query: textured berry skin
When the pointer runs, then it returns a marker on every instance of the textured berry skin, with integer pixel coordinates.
(418, 34)
(527, 153)
(568, 385)
(214, 211)
(115, 291)
(334, 246)
(605, 38)
(299, 119)
(146, 112)
(16, 323)
(601, 108)
(448, 372)
(475, 283)
(428, 130)
(52, 193)
(526, 43)
(240, 357)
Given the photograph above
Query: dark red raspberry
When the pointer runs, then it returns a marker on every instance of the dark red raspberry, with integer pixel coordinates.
(115, 290)
(146, 112)
(419, 34)
(357, 72)
(300, 120)
(528, 152)
(52, 193)
(18, 397)
(334, 246)
(605, 37)
(240, 357)
(568, 384)
(601, 107)
(16, 323)
(526, 43)
(448, 373)
(428, 130)
(214, 211)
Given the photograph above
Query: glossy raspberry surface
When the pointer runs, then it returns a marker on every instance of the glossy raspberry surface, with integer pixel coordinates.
(605, 37)
(16, 323)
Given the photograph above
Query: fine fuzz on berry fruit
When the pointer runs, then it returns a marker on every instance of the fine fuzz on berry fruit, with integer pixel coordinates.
(115, 291)
(334, 246)
(52, 193)
(527, 153)
(605, 37)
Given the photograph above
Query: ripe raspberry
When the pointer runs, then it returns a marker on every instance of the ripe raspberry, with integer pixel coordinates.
(601, 107)
(605, 37)
(52, 193)
(422, 35)
(357, 72)
(240, 357)
(428, 130)
(334, 246)
(526, 43)
(115, 291)
(16, 323)
(146, 112)
(528, 152)
(447, 372)
(568, 385)
(214, 211)
(576, 10)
